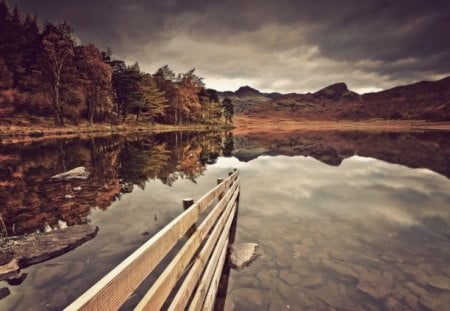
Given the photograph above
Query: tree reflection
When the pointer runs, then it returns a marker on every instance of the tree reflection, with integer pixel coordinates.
(30, 202)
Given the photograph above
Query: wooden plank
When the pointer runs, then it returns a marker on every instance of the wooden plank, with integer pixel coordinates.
(184, 292)
(207, 277)
(210, 298)
(160, 290)
(114, 288)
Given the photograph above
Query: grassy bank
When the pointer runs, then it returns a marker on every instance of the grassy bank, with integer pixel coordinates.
(27, 129)
(257, 124)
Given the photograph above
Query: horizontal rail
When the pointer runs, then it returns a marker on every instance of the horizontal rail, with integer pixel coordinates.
(207, 277)
(161, 289)
(115, 287)
(186, 289)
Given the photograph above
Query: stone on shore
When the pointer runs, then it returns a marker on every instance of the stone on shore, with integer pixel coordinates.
(76, 173)
(242, 255)
(19, 252)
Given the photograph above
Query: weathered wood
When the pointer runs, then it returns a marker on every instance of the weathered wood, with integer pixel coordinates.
(188, 202)
(160, 290)
(214, 261)
(210, 298)
(114, 288)
(185, 290)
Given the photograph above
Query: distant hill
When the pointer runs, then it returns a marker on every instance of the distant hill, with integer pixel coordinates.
(246, 97)
(421, 100)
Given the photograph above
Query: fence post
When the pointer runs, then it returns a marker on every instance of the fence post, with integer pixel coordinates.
(219, 180)
(188, 202)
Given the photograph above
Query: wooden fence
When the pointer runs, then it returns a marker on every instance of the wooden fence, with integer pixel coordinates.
(197, 265)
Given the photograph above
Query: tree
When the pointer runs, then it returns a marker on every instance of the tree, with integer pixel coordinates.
(7, 94)
(125, 81)
(58, 51)
(154, 101)
(228, 110)
(95, 76)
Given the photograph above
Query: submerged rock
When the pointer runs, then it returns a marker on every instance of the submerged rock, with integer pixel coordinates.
(288, 277)
(441, 282)
(248, 298)
(242, 255)
(9, 269)
(19, 252)
(433, 303)
(76, 173)
(4, 292)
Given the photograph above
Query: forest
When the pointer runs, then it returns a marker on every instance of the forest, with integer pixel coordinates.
(45, 73)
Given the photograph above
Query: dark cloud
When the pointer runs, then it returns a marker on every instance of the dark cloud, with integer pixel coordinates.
(288, 45)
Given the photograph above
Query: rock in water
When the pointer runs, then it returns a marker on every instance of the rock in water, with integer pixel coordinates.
(9, 269)
(19, 252)
(76, 173)
(242, 255)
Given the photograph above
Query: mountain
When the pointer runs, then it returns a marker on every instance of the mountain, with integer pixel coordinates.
(246, 97)
(422, 100)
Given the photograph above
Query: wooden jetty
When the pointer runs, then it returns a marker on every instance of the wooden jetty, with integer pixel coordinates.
(191, 279)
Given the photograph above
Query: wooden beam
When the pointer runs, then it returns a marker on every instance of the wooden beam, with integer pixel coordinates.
(210, 298)
(186, 289)
(160, 290)
(114, 288)
(207, 277)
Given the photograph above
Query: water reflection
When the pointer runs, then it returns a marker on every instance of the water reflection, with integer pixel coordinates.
(30, 202)
(413, 149)
(348, 221)
(344, 232)
(345, 238)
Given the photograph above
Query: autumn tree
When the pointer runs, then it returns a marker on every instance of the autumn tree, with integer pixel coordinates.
(95, 77)
(58, 52)
(165, 80)
(187, 102)
(154, 102)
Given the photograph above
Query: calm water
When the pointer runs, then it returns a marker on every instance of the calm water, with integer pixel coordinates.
(347, 221)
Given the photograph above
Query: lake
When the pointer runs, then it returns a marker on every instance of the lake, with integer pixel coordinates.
(346, 220)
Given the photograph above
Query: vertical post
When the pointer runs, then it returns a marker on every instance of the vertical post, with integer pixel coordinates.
(188, 202)
(219, 181)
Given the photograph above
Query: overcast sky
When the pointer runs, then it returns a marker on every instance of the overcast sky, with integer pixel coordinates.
(276, 45)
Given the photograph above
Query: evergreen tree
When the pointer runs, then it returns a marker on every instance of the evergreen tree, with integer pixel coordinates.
(125, 81)
(228, 110)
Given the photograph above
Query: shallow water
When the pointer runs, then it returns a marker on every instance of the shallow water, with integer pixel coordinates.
(347, 221)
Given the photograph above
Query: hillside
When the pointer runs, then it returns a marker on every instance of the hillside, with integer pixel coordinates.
(423, 100)
(246, 98)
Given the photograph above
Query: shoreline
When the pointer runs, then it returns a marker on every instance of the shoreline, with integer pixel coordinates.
(243, 124)
(10, 134)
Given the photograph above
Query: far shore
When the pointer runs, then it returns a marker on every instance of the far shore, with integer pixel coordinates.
(45, 129)
(242, 124)
(258, 124)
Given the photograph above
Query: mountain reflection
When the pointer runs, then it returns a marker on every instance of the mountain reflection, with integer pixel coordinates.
(30, 202)
(429, 150)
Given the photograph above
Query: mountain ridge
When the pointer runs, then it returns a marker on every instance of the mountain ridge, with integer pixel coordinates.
(427, 100)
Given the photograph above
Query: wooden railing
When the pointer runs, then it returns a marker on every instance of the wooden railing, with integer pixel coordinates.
(199, 261)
